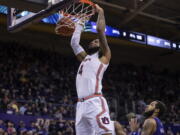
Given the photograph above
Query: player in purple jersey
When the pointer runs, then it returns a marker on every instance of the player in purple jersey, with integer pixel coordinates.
(152, 124)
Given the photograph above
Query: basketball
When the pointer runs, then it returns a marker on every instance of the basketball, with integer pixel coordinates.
(65, 27)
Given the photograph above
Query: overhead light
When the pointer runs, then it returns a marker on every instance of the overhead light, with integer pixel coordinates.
(174, 45)
(166, 43)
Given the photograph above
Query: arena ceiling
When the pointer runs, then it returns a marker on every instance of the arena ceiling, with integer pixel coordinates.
(155, 17)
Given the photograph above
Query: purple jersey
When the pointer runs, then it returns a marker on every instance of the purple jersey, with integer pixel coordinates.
(159, 127)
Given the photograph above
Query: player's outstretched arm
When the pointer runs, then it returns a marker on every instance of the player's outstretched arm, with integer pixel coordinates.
(77, 48)
(101, 25)
(119, 128)
(148, 128)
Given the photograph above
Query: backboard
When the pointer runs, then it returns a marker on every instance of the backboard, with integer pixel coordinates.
(22, 13)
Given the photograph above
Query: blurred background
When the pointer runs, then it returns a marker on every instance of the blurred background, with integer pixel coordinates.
(38, 68)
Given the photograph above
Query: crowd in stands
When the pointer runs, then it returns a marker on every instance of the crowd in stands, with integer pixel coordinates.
(50, 127)
(40, 83)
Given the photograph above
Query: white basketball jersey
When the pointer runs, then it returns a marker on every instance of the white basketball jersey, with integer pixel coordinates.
(89, 76)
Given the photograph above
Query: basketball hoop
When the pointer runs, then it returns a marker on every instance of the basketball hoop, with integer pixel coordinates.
(77, 12)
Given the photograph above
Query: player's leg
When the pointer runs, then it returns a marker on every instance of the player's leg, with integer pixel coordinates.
(97, 115)
(82, 125)
(104, 119)
(83, 128)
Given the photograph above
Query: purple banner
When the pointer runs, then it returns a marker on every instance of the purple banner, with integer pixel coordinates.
(27, 119)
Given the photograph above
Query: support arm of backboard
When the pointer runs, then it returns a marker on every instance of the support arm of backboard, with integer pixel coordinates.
(134, 14)
(140, 13)
(15, 26)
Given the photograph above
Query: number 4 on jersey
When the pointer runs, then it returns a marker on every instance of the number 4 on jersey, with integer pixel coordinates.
(80, 70)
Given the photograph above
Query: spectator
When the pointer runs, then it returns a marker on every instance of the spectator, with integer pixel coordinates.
(21, 128)
(14, 106)
(23, 109)
(11, 129)
(29, 111)
(10, 110)
(2, 127)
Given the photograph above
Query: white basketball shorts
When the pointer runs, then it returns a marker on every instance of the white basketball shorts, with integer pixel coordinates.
(92, 117)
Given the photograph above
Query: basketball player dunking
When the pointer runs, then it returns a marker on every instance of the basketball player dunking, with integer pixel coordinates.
(92, 113)
(152, 124)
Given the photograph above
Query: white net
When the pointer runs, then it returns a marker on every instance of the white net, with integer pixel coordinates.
(76, 12)
(82, 10)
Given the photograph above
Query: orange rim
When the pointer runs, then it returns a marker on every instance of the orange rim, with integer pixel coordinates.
(87, 2)
(77, 15)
